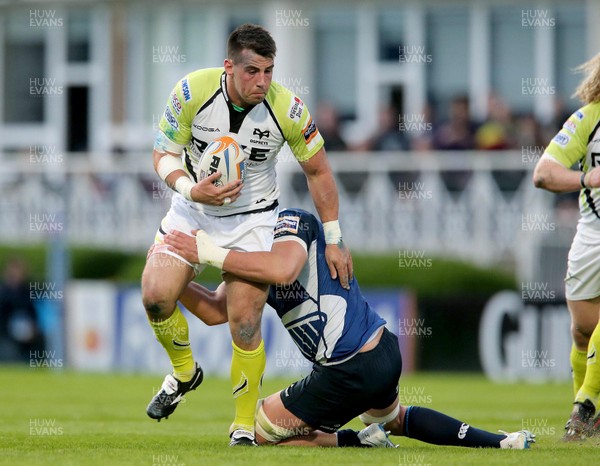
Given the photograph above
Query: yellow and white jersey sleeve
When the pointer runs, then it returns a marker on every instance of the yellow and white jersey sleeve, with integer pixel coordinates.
(578, 142)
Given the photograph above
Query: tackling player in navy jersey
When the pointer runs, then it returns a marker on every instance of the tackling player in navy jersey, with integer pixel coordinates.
(357, 361)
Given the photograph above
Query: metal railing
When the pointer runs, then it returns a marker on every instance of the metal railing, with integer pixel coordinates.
(477, 206)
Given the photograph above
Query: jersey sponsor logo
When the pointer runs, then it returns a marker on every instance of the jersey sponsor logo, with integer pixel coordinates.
(185, 87)
(261, 134)
(171, 118)
(579, 114)
(257, 154)
(296, 108)
(175, 103)
(287, 224)
(310, 131)
(562, 139)
(209, 129)
(258, 141)
(570, 126)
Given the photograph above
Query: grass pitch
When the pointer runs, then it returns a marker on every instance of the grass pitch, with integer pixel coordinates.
(65, 418)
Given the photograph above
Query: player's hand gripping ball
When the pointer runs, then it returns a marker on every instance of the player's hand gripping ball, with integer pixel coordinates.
(223, 154)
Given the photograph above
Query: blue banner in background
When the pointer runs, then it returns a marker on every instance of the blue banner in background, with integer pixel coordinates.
(132, 346)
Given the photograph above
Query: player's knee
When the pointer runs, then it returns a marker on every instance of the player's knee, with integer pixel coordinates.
(157, 305)
(391, 421)
(581, 336)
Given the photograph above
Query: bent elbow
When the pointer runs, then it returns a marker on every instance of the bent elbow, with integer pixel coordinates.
(539, 181)
(540, 176)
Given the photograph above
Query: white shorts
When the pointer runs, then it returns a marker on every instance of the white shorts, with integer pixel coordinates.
(583, 266)
(243, 232)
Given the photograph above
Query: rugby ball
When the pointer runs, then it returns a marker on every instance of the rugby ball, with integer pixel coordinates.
(224, 154)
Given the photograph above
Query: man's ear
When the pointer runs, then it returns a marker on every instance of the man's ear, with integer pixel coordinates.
(228, 64)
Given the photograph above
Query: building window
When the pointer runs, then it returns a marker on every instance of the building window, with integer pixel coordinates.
(336, 60)
(570, 52)
(513, 59)
(391, 34)
(78, 34)
(446, 55)
(25, 81)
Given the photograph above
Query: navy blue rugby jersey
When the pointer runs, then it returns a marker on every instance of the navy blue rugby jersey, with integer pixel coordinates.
(328, 323)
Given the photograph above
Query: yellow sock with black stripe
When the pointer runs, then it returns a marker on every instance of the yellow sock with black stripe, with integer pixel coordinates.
(578, 366)
(590, 389)
(247, 369)
(173, 335)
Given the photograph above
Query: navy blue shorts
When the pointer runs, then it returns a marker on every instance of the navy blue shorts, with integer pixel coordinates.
(331, 396)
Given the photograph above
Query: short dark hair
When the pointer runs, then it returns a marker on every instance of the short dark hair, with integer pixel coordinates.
(252, 37)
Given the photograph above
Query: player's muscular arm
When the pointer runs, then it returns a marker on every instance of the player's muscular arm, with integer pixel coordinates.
(279, 266)
(167, 165)
(321, 185)
(323, 190)
(554, 177)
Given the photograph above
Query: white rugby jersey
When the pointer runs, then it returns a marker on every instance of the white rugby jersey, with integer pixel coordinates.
(199, 110)
(578, 141)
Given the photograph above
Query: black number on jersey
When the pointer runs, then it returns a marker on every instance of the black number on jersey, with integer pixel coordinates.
(595, 158)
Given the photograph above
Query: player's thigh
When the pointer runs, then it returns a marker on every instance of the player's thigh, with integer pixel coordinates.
(275, 423)
(584, 318)
(245, 299)
(163, 280)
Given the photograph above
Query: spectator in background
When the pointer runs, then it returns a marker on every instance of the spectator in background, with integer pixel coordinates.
(457, 133)
(388, 137)
(528, 133)
(496, 132)
(328, 121)
(421, 135)
(20, 333)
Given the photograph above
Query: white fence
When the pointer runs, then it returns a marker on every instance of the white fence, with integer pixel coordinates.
(477, 206)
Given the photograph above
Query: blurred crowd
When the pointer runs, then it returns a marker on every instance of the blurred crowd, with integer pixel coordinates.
(449, 127)
(452, 127)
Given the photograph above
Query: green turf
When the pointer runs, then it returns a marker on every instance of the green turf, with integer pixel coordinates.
(67, 418)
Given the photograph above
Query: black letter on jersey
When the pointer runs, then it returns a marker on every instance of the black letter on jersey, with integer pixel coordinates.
(257, 154)
(199, 145)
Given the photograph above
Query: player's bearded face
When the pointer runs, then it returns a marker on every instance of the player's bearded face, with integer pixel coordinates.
(249, 78)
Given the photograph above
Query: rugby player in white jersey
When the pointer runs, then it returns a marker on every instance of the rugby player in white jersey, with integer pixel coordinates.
(578, 142)
(356, 360)
(238, 98)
